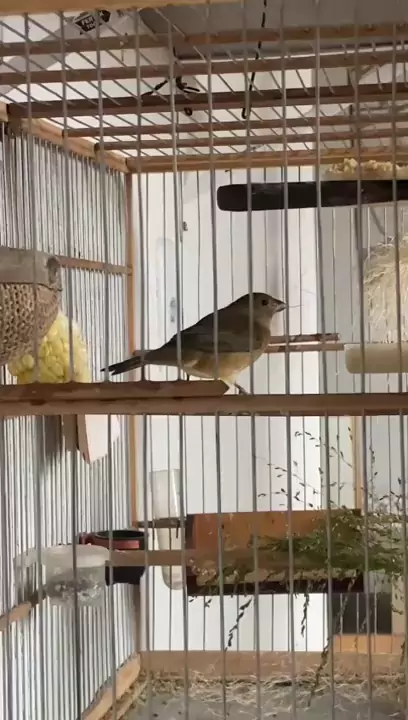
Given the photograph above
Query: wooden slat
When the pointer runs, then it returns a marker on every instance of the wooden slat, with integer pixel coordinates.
(253, 140)
(341, 94)
(127, 701)
(218, 67)
(332, 33)
(244, 664)
(303, 338)
(275, 563)
(380, 644)
(314, 341)
(238, 528)
(48, 131)
(189, 398)
(18, 612)
(357, 462)
(51, 133)
(126, 676)
(93, 265)
(216, 126)
(307, 347)
(254, 160)
(34, 7)
(3, 112)
(228, 37)
(81, 45)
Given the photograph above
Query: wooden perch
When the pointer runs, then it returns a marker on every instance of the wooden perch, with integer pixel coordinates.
(188, 398)
(293, 343)
(275, 562)
(18, 612)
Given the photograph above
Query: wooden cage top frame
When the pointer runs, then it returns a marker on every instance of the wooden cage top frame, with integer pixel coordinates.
(304, 140)
(7, 7)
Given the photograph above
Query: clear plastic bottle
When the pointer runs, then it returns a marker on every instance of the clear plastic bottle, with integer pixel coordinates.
(165, 485)
(61, 584)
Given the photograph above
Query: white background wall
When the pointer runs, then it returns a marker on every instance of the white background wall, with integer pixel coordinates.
(343, 308)
(241, 465)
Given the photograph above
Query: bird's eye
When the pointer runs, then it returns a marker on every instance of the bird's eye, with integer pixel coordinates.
(265, 301)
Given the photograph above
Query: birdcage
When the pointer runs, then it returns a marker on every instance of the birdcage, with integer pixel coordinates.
(224, 186)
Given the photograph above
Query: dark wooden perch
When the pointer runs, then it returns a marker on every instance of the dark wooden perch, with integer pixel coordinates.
(333, 193)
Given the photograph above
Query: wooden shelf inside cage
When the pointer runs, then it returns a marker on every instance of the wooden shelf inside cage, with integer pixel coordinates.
(301, 195)
(361, 644)
(202, 533)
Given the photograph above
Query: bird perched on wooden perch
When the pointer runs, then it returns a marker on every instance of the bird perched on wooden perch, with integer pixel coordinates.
(224, 360)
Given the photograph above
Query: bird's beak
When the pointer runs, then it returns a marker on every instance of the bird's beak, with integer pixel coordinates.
(280, 306)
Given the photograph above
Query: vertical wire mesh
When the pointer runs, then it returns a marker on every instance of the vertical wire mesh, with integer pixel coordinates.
(192, 260)
(67, 194)
(36, 449)
(213, 469)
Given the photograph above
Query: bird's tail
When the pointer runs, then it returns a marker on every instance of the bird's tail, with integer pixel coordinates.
(131, 363)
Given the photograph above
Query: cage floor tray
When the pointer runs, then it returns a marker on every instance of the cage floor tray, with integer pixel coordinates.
(300, 195)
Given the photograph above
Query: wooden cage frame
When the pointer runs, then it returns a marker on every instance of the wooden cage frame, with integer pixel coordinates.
(200, 397)
(106, 153)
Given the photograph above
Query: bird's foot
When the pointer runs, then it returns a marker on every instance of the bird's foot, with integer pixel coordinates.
(241, 390)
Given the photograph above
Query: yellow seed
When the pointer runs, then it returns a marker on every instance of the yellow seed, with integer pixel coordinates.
(27, 362)
(57, 369)
(48, 377)
(57, 346)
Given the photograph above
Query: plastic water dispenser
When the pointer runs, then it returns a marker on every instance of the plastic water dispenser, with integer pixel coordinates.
(165, 486)
(61, 583)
